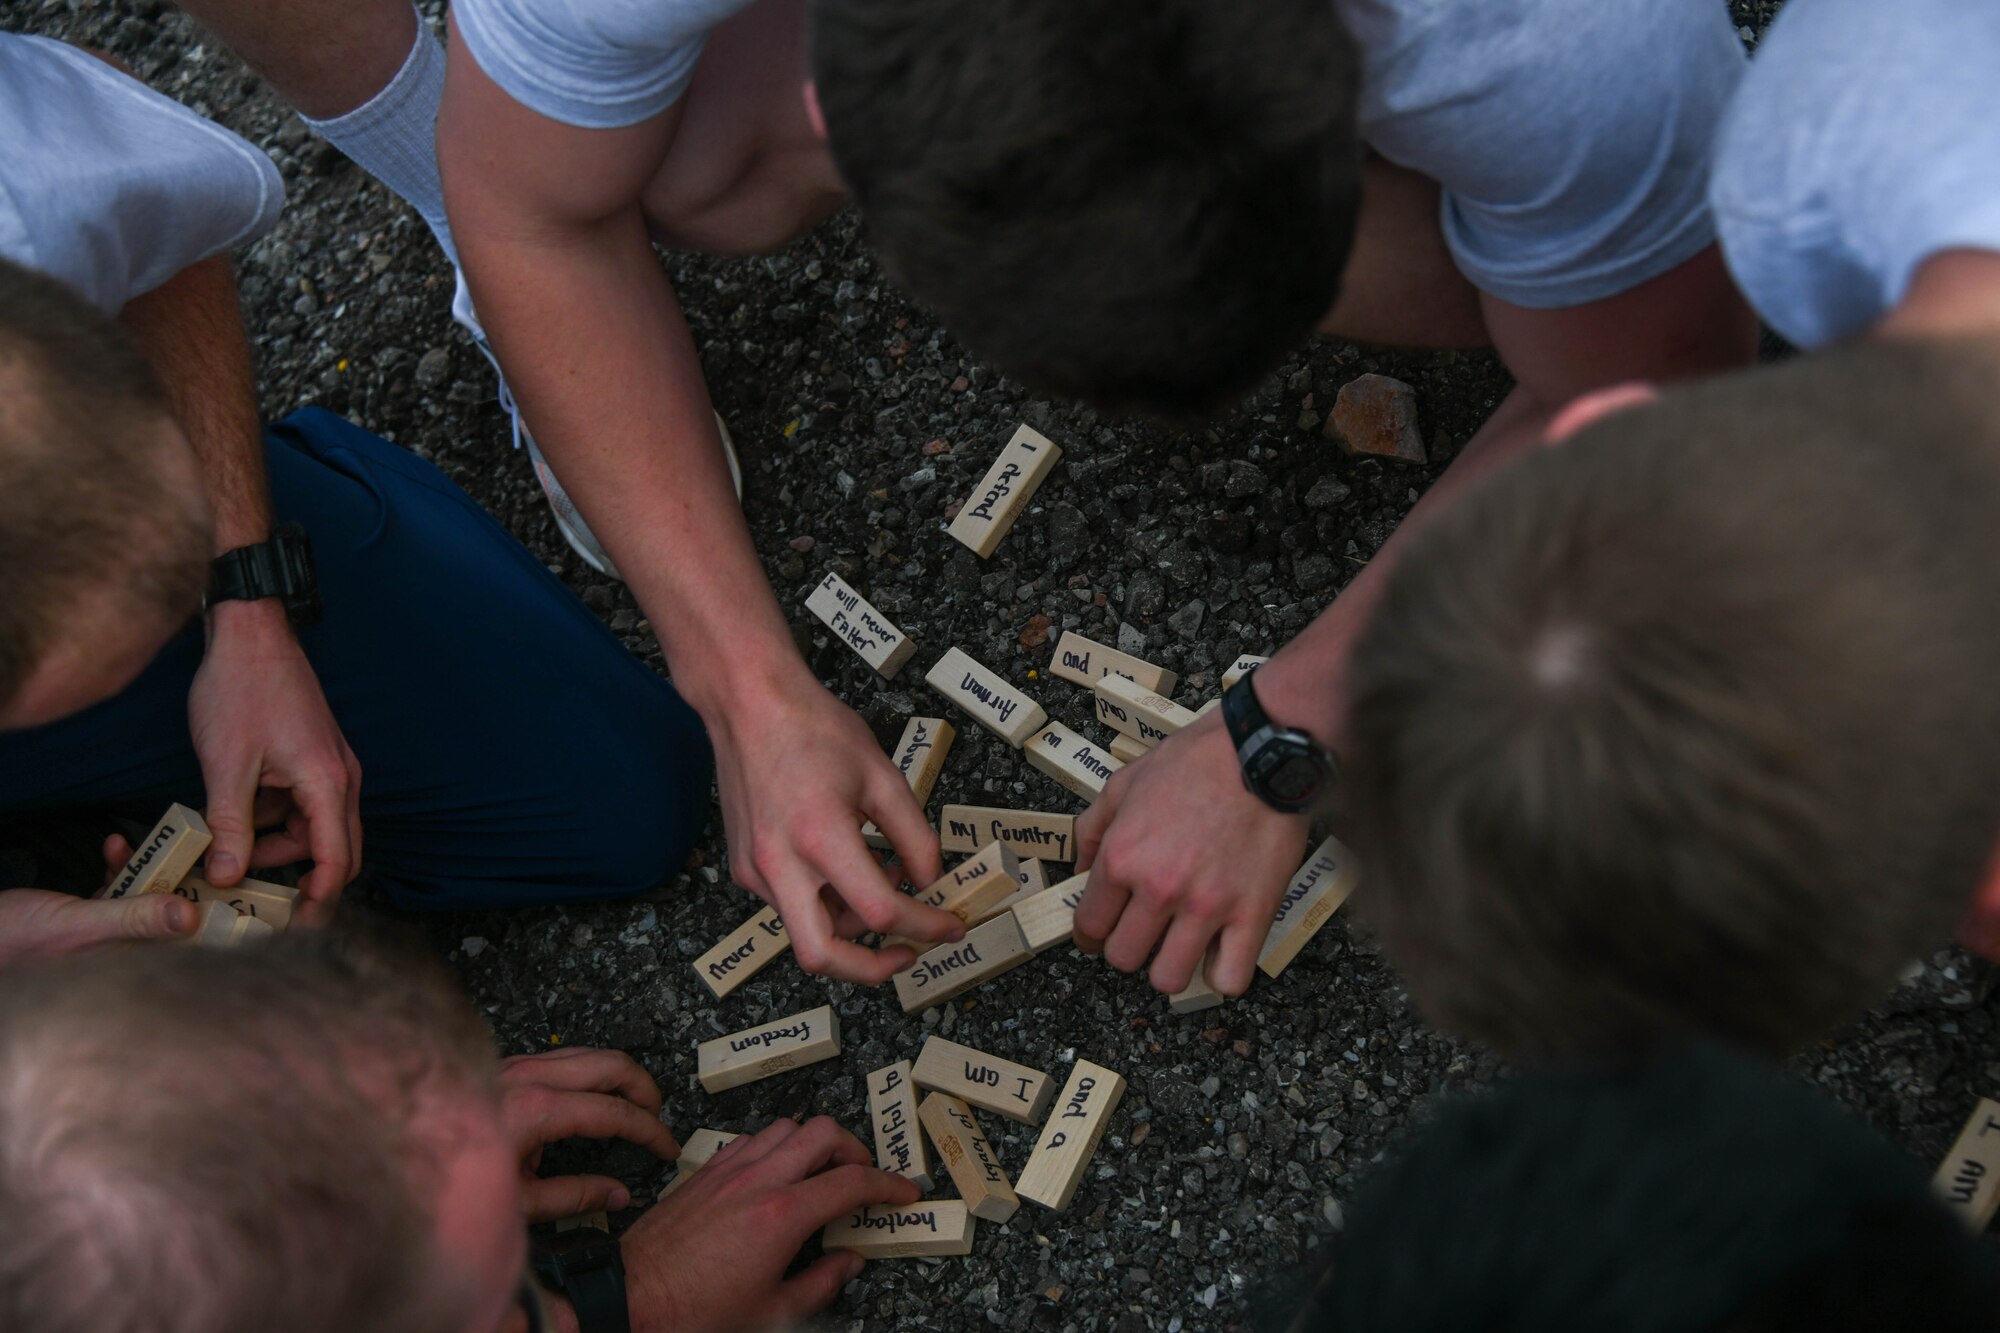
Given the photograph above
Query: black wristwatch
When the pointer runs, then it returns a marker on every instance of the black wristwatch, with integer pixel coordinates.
(588, 1269)
(281, 567)
(1282, 766)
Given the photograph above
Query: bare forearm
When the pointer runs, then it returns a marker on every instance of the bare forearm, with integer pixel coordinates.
(191, 331)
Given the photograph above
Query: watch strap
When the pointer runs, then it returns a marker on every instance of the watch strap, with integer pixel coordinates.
(588, 1269)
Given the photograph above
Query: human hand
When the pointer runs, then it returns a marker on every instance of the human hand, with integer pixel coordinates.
(798, 777)
(578, 1093)
(36, 923)
(712, 1255)
(271, 752)
(1179, 854)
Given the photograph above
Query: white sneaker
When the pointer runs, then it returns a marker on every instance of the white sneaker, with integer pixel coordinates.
(568, 521)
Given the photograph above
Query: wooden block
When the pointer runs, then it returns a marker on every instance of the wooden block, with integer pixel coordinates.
(1085, 660)
(160, 862)
(597, 1221)
(992, 702)
(1239, 669)
(1320, 887)
(1071, 1136)
(974, 1166)
(1003, 494)
(270, 903)
(943, 1226)
(772, 1048)
(218, 925)
(248, 928)
(700, 1147)
(952, 969)
(860, 626)
(1127, 748)
(1969, 1180)
(972, 891)
(919, 757)
(986, 1081)
(966, 828)
(743, 952)
(1077, 764)
(1033, 880)
(1138, 712)
(1198, 996)
(892, 1110)
(1048, 918)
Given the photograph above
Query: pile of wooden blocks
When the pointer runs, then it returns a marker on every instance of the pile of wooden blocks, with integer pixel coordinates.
(165, 863)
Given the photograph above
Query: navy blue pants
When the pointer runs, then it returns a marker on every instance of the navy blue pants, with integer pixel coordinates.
(512, 751)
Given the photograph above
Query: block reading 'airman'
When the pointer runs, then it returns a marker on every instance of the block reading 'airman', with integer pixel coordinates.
(1969, 1180)
(919, 757)
(892, 1109)
(966, 828)
(992, 702)
(1239, 669)
(743, 952)
(1048, 918)
(860, 626)
(1319, 888)
(1127, 748)
(1085, 660)
(1078, 765)
(160, 862)
(1002, 495)
(986, 1081)
(971, 891)
(943, 1226)
(952, 969)
(759, 1052)
(1139, 713)
(963, 1149)
(1070, 1137)
(270, 903)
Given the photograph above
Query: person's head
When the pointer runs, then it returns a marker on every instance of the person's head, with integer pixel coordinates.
(302, 1136)
(1689, 724)
(1143, 203)
(104, 525)
(1700, 1194)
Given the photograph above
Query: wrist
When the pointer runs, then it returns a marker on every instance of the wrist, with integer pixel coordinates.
(250, 624)
(727, 687)
(1296, 691)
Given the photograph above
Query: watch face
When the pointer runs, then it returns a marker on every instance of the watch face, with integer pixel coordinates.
(1293, 779)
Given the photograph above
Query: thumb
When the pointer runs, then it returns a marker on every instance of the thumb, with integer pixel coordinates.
(813, 1290)
(155, 916)
(229, 819)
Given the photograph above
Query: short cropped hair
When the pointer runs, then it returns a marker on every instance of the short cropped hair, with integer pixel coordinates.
(1700, 1194)
(1689, 725)
(200, 1142)
(1142, 203)
(83, 424)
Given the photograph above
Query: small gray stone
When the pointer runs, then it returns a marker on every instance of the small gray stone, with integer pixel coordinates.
(435, 367)
(1186, 622)
(1315, 572)
(1131, 639)
(1243, 480)
(1327, 492)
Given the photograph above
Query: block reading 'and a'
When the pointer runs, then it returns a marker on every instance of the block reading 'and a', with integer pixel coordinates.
(1969, 1180)
(1072, 1134)
(1079, 765)
(919, 757)
(986, 1081)
(772, 1048)
(1314, 894)
(989, 700)
(939, 1227)
(860, 626)
(1047, 837)
(974, 1166)
(952, 969)
(159, 863)
(1140, 713)
(1085, 661)
(1002, 495)
(743, 952)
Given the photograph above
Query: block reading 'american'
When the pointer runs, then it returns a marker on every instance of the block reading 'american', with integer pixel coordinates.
(970, 1159)
(952, 969)
(1969, 1180)
(892, 1110)
(991, 701)
(986, 1081)
(1079, 765)
(1239, 669)
(1049, 918)
(759, 1052)
(972, 891)
(1086, 660)
(1138, 712)
(940, 1227)
(743, 952)
(160, 862)
(860, 626)
(1071, 1135)
(966, 828)
(1002, 495)
(1319, 888)
(919, 757)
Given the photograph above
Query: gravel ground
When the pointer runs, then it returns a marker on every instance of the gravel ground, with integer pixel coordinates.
(1245, 1127)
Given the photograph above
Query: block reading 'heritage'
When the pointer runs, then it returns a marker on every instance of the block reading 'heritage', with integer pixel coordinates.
(970, 1159)
(991, 701)
(919, 757)
(160, 862)
(1969, 1180)
(1079, 765)
(952, 969)
(1319, 888)
(1071, 1135)
(1138, 712)
(940, 1227)
(1002, 495)
(759, 1052)
(860, 626)
(892, 1110)
(966, 828)
(986, 1081)
(743, 952)
(1086, 660)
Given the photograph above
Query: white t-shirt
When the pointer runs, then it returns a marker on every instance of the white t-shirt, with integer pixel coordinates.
(109, 186)
(1865, 139)
(1572, 137)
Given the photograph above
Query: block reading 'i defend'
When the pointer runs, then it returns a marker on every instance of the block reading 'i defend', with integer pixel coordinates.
(892, 1110)
(1085, 661)
(939, 1227)
(1138, 712)
(970, 1159)
(1003, 494)
(860, 626)
(759, 1052)
(160, 862)
(1072, 1134)
(1047, 837)
(1969, 1180)
(919, 757)
(986, 1081)
(991, 701)
(1078, 765)
(1320, 887)
(743, 952)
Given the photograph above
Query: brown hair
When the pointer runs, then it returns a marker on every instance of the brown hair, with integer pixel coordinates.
(198, 1142)
(1691, 724)
(83, 427)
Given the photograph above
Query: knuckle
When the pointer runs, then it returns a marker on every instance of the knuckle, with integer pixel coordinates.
(813, 957)
(877, 914)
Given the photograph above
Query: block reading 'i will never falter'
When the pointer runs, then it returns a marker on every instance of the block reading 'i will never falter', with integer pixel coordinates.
(860, 626)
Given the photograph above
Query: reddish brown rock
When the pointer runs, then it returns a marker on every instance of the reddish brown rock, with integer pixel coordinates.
(1377, 415)
(1037, 632)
